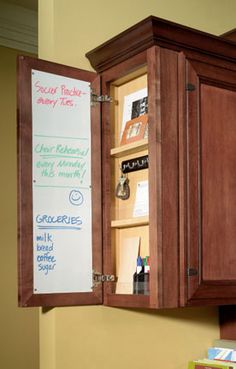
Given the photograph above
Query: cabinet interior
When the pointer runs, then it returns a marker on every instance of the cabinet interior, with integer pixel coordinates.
(126, 227)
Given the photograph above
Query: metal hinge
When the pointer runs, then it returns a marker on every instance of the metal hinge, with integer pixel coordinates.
(99, 278)
(100, 98)
(191, 272)
(190, 87)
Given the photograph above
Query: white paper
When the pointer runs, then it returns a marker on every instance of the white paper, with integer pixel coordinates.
(141, 205)
(129, 251)
(127, 110)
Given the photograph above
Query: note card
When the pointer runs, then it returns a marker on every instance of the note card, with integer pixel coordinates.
(128, 254)
(135, 104)
(141, 205)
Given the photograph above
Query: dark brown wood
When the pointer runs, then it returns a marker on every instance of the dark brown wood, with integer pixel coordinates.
(218, 135)
(227, 320)
(25, 213)
(96, 170)
(175, 149)
(211, 154)
(192, 189)
(128, 301)
(169, 183)
(230, 35)
(155, 31)
(182, 179)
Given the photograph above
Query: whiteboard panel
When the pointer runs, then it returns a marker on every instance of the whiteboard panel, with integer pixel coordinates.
(62, 219)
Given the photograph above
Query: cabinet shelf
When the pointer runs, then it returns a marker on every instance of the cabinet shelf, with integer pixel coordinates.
(131, 148)
(132, 222)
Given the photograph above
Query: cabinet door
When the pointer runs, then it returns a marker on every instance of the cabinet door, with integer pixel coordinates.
(210, 164)
(59, 185)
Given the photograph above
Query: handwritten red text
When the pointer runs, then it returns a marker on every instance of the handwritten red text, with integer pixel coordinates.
(45, 90)
(57, 95)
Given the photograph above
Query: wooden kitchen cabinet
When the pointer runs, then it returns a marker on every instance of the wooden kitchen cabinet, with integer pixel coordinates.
(185, 130)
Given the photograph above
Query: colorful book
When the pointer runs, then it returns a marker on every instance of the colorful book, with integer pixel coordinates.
(221, 353)
(211, 364)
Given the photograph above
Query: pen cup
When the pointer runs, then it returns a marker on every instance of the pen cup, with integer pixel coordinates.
(141, 283)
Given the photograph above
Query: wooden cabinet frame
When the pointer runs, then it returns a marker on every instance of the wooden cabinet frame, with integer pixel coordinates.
(25, 197)
(178, 61)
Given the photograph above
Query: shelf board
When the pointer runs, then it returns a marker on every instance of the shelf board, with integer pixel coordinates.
(133, 222)
(141, 301)
(130, 148)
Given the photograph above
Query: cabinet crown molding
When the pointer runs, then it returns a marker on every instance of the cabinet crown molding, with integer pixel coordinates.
(156, 31)
(18, 28)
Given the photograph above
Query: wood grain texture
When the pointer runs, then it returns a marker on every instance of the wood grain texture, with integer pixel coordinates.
(155, 177)
(218, 162)
(192, 172)
(211, 183)
(128, 301)
(182, 179)
(156, 31)
(170, 175)
(25, 212)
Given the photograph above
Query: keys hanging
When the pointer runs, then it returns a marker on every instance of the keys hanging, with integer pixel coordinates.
(122, 188)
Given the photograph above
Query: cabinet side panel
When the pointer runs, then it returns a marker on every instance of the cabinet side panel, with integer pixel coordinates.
(170, 206)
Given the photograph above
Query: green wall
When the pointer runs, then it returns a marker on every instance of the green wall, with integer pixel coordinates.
(19, 328)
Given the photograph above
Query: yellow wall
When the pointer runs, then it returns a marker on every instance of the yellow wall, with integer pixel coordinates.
(100, 337)
(19, 329)
(70, 28)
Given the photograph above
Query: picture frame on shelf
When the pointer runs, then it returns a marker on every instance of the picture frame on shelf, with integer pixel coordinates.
(135, 130)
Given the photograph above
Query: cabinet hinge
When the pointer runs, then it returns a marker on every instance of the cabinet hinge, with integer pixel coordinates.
(100, 98)
(99, 278)
(190, 87)
(191, 272)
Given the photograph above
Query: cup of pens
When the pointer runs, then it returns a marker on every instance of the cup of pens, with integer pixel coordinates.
(141, 276)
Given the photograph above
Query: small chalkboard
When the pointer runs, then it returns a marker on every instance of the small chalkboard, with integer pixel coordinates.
(57, 201)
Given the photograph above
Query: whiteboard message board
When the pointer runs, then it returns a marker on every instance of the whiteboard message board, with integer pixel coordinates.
(61, 161)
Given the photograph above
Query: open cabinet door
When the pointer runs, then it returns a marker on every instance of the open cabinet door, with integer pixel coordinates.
(59, 185)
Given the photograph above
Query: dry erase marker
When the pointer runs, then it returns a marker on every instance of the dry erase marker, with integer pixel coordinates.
(139, 265)
(146, 263)
(137, 275)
